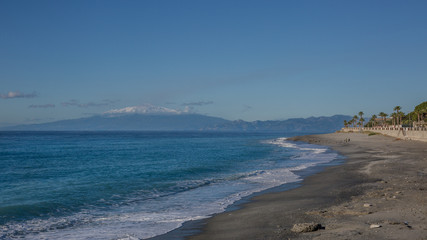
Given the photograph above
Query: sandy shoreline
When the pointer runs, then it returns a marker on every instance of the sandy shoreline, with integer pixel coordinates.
(383, 182)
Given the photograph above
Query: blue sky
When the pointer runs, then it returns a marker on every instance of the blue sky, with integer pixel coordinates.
(251, 60)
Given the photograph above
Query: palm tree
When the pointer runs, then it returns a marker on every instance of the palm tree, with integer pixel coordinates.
(361, 120)
(394, 116)
(397, 109)
(355, 118)
(361, 117)
(350, 122)
(400, 115)
(383, 115)
(418, 114)
(374, 119)
(345, 123)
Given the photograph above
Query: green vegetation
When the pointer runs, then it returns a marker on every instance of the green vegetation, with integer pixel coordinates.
(421, 111)
(361, 120)
(416, 118)
(384, 117)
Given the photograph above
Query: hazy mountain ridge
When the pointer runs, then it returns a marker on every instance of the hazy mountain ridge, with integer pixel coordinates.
(184, 122)
(128, 122)
(311, 124)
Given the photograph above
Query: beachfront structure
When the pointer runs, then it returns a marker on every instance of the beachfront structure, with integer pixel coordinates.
(405, 133)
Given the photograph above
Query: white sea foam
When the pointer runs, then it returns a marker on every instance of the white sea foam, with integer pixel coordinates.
(158, 215)
(283, 142)
(127, 222)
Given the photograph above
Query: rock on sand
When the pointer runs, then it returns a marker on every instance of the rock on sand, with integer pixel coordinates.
(306, 227)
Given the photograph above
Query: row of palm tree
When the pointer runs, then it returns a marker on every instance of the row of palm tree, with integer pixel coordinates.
(397, 118)
(355, 121)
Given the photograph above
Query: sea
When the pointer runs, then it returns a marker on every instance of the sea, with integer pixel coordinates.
(137, 185)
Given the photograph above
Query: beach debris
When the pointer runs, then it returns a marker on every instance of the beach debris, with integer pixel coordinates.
(306, 227)
(399, 223)
(407, 225)
(393, 222)
(367, 205)
(375, 226)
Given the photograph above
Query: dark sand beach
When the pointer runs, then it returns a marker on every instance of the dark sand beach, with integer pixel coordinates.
(380, 192)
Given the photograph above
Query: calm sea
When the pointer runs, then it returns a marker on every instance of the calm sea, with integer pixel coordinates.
(135, 185)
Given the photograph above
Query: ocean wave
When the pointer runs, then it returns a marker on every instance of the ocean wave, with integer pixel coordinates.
(127, 221)
(143, 215)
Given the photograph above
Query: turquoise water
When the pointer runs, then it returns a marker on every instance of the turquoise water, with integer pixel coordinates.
(135, 185)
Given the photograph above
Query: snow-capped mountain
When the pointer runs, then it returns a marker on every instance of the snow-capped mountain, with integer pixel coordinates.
(144, 109)
(128, 119)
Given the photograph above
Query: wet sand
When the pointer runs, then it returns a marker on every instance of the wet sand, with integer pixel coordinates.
(380, 192)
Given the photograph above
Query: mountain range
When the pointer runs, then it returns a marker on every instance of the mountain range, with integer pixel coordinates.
(150, 118)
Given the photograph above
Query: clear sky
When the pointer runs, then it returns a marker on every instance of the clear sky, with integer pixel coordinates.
(250, 60)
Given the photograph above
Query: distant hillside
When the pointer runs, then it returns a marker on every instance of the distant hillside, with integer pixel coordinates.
(128, 122)
(308, 125)
(185, 122)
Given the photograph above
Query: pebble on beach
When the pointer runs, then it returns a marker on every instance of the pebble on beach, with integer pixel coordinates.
(306, 227)
(375, 226)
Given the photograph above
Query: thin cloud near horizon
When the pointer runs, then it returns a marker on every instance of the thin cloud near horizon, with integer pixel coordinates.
(76, 103)
(17, 94)
(199, 103)
(42, 106)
